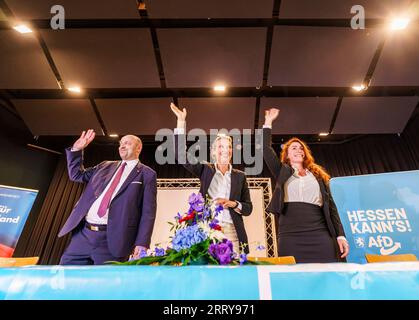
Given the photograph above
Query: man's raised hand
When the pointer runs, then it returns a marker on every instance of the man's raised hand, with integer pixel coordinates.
(84, 140)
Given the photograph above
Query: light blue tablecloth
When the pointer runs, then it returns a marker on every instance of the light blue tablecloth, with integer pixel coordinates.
(309, 281)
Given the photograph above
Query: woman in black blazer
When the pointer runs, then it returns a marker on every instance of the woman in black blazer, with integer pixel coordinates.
(225, 185)
(309, 225)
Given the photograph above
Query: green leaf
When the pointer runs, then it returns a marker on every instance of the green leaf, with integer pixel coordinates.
(202, 260)
(212, 259)
(174, 257)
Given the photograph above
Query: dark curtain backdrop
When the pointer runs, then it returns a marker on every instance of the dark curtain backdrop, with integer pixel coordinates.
(24, 167)
(366, 155)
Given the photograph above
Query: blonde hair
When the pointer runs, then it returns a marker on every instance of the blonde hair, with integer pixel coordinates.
(308, 163)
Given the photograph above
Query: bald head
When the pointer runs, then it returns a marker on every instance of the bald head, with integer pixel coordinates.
(130, 147)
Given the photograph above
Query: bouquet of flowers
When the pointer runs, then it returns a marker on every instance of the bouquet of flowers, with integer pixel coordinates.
(198, 240)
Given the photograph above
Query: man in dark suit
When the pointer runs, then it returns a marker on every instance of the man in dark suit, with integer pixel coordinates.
(225, 185)
(115, 215)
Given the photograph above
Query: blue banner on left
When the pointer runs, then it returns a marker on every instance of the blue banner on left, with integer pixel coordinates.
(15, 205)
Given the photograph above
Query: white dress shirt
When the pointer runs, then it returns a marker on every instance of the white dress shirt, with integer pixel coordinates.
(220, 187)
(303, 189)
(92, 216)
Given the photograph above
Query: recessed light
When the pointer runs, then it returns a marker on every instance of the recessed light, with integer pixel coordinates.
(74, 89)
(399, 23)
(360, 87)
(323, 134)
(220, 88)
(21, 28)
(113, 135)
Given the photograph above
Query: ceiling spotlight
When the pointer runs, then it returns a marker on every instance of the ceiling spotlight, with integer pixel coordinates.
(360, 87)
(21, 28)
(74, 89)
(323, 134)
(399, 23)
(113, 135)
(220, 88)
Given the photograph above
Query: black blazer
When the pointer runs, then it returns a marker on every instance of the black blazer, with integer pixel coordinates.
(282, 172)
(239, 188)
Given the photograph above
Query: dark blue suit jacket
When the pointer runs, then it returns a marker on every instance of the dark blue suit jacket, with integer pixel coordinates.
(132, 210)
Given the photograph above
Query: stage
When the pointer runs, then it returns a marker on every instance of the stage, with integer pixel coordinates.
(378, 281)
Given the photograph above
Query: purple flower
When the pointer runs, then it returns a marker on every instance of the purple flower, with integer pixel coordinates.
(143, 253)
(213, 223)
(218, 209)
(196, 202)
(222, 251)
(178, 216)
(260, 247)
(159, 252)
(207, 213)
(243, 258)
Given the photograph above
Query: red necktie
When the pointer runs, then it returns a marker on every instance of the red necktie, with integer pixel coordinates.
(108, 195)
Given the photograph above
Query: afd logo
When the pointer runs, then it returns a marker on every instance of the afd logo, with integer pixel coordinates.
(386, 244)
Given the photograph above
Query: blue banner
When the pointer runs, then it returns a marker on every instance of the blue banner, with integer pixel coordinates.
(15, 205)
(379, 212)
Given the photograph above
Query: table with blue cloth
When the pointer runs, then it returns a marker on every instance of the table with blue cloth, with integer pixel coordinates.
(304, 281)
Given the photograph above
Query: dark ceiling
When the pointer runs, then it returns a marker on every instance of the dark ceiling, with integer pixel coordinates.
(132, 59)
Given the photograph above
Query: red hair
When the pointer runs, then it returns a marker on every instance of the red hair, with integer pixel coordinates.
(308, 163)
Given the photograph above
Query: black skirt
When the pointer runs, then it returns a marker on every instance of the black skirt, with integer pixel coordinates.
(303, 234)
